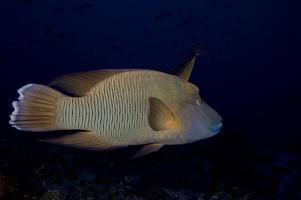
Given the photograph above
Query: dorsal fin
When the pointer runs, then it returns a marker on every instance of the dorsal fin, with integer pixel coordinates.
(160, 117)
(79, 84)
(82, 140)
(185, 69)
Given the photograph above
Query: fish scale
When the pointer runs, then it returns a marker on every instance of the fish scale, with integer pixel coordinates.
(116, 109)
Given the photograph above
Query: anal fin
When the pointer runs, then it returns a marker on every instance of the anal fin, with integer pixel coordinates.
(83, 140)
(147, 149)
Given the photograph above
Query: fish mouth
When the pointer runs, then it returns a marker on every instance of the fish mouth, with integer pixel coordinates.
(216, 128)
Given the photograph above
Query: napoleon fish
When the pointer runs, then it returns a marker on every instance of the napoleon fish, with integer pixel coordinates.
(116, 108)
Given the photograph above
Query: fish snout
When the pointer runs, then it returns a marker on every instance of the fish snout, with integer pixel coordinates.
(216, 128)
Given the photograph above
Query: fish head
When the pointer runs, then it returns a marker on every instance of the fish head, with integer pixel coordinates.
(198, 120)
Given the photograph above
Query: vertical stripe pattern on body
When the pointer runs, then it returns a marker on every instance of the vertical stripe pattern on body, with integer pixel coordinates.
(116, 109)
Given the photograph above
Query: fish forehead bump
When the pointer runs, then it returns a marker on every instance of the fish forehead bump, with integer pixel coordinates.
(190, 88)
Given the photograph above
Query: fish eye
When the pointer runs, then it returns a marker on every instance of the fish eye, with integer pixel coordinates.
(198, 102)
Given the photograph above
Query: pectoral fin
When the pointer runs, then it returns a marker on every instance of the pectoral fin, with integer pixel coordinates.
(147, 149)
(82, 140)
(160, 116)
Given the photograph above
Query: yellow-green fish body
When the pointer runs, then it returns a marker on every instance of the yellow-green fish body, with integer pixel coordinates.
(117, 108)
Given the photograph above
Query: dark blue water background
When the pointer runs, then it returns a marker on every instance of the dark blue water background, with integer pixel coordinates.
(248, 76)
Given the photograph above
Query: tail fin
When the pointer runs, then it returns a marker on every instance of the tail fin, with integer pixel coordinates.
(36, 108)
